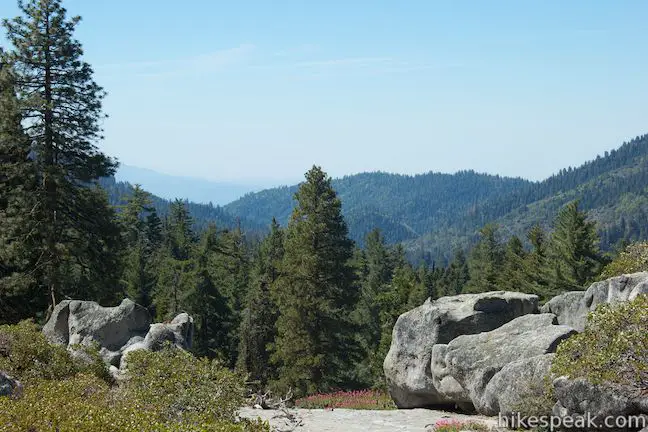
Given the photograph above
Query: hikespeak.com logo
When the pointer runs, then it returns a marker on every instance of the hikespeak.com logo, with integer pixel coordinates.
(587, 422)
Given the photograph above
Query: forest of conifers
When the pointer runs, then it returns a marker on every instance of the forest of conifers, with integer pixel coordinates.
(300, 301)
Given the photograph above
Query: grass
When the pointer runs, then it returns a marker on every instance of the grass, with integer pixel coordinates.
(359, 400)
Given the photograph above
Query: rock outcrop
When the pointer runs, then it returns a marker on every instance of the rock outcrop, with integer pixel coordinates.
(86, 322)
(116, 330)
(517, 383)
(572, 308)
(408, 363)
(582, 399)
(492, 352)
(9, 386)
(474, 360)
(179, 332)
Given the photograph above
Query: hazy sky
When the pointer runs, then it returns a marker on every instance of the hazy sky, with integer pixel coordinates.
(248, 90)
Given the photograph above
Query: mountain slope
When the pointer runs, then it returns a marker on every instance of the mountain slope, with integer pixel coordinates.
(613, 188)
(403, 207)
(433, 213)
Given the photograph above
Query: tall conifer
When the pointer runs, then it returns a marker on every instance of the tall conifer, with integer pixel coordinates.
(316, 292)
(62, 108)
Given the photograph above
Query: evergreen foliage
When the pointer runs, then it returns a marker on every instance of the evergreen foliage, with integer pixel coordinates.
(258, 324)
(486, 261)
(315, 293)
(62, 107)
(574, 248)
(142, 242)
(20, 295)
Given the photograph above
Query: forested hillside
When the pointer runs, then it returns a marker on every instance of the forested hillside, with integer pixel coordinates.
(434, 214)
(611, 188)
(403, 207)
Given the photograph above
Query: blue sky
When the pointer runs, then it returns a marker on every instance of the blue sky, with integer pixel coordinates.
(258, 91)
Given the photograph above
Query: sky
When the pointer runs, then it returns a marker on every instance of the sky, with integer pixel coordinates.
(259, 91)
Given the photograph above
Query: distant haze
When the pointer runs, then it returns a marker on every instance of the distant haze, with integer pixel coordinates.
(194, 189)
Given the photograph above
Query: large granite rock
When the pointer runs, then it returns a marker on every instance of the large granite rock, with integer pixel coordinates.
(178, 333)
(520, 382)
(572, 308)
(86, 322)
(474, 360)
(408, 364)
(580, 399)
(116, 330)
(9, 386)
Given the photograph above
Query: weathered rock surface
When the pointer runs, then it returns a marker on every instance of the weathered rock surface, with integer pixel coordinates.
(86, 322)
(179, 332)
(578, 398)
(573, 307)
(519, 381)
(9, 386)
(408, 364)
(473, 360)
(117, 330)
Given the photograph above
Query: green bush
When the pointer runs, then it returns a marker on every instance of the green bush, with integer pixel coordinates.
(85, 403)
(179, 386)
(633, 259)
(26, 355)
(166, 391)
(612, 349)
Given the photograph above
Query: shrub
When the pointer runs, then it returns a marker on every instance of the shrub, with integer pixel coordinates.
(633, 259)
(85, 403)
(178, 386)
(613, 348)
(167, 391)
(363, 399)
(26, 355)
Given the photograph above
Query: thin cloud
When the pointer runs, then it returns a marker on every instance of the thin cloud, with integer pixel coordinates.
(199, 64)
(354, 61)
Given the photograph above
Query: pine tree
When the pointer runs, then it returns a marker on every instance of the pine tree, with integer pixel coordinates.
(485, 262)
(210, 308)
(536, 265)
(230, 267)
(376, 275)
(574, 249)
(139, 261)
(455, 277)
(513, 276)
(61, 106)
(315, 293)
(258, 325)
(19, 294)
(176, 269)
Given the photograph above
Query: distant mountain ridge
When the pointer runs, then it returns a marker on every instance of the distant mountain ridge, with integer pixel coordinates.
(403, 207)
(433, 214)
